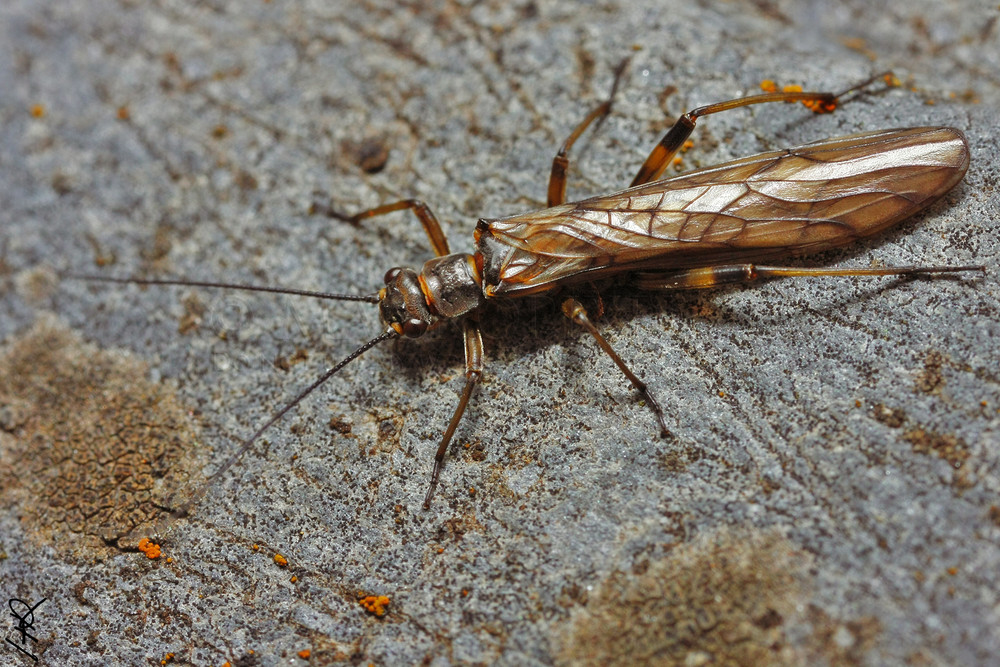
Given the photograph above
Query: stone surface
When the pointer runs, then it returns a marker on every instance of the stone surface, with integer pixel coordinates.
(831, 493)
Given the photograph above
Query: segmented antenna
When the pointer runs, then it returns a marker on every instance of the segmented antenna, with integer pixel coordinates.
(367, 298)
(203, 488)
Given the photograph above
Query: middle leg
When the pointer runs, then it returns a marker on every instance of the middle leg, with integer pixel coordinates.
(578, 314)
(560, 163)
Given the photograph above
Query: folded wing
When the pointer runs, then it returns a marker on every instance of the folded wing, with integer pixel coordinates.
(792, 202)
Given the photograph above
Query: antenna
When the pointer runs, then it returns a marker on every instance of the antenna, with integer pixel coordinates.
(214, 477)
(367, 298)
(203, 488)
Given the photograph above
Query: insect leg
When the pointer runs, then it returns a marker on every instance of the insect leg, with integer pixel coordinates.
(439, 242)
(675, 137)
(577, 313)
(712, 276)
(473, 373)
(560, 163)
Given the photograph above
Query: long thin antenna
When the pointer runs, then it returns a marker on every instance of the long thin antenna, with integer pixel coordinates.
(367, 298)
(203, 488)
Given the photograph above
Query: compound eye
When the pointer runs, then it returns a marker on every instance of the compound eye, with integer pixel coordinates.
(391, 274)
(414, 328)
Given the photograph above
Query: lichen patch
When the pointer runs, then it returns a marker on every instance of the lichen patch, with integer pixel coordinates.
(724, 598)
(90, 448)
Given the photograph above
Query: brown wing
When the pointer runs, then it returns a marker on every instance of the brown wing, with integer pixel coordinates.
(791, 202)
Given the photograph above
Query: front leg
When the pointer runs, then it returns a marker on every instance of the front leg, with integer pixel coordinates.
(439, 242)
(473, 374)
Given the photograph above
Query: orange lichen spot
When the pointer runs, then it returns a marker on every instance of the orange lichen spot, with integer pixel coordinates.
(226, 664)
(293, 579)
(929, 102)
(465, 592)
(678, 162)
(123, 113)
(820, 106)
(687, 145)
(953, 571)
(37, 110)
(722, 394)
(170, 560)
(150, 548)
(374, 604)
(167, 658)
(220, 132)
(304, 654)
(816, 106)
(440, 550)
(280, 560)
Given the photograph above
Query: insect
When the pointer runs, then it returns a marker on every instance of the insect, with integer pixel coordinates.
(701, 229)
